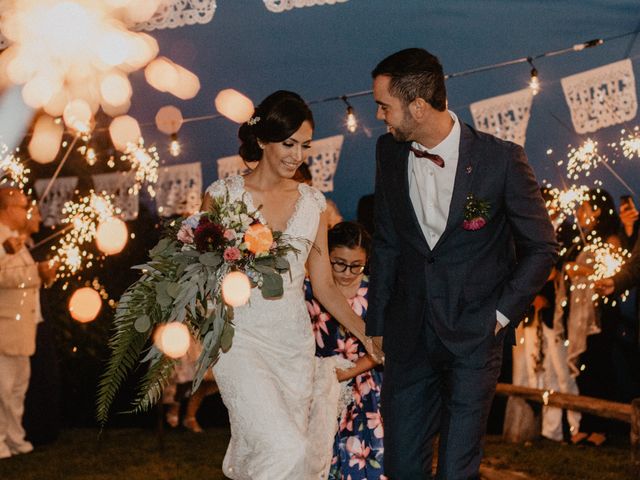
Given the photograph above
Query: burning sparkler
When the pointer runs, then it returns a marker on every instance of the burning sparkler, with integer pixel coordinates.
(583, 159)
(82, 218)
(12, 170)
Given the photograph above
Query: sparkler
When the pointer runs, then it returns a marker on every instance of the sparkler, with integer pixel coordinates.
(583, 159)
(566, 201)
(630, 144)
(82, 219)
(145, 163)
(12, 170)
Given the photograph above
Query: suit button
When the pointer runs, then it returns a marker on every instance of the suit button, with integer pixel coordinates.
(431, 260)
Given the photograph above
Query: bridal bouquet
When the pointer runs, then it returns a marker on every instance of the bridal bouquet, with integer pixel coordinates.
(184, 282)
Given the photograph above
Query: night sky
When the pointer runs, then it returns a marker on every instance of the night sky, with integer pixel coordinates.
(326, 51)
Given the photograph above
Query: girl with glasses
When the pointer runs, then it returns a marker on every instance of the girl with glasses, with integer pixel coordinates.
(357, 449)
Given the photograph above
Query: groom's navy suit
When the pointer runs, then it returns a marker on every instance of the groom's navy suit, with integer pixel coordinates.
(436, 307)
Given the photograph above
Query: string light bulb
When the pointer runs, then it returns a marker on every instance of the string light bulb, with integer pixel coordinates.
(174, 146)
(351, 122)
(534, 82)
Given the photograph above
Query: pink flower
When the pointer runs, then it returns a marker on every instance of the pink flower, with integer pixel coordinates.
(346, 419)
(348, 348)
(231, 254)
(319, 321)
(229, 234)
(364, 383)
(359, 303)
(358, 452)
(185, 234)
(474, 224)
(374, 422)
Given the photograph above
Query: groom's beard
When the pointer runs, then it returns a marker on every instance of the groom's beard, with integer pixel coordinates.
(404, 131)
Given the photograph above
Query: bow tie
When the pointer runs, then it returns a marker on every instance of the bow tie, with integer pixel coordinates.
(437, 159)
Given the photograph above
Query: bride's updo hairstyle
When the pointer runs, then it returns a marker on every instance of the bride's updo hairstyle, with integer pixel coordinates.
(278, 117)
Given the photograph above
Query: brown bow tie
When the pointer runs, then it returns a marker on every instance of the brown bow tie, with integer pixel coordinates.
(437, 159)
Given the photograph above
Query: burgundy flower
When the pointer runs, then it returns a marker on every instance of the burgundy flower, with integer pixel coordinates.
(208, 236)
(474, 224)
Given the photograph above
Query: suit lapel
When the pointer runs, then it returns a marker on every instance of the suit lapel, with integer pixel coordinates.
(465, 172)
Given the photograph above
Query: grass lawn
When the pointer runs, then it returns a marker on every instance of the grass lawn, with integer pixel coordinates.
(134, 454)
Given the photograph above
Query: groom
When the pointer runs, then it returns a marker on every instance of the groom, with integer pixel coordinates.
(462, 244)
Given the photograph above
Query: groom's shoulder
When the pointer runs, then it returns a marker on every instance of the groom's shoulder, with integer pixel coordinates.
(493, 143)
(386, 141)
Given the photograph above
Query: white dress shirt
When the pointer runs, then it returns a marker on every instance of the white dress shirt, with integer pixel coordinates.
(431, 187)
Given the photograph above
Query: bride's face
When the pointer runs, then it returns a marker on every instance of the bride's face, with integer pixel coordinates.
(347, 265)
(285, 157)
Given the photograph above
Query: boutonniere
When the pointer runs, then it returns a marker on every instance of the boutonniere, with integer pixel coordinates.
(476, 213)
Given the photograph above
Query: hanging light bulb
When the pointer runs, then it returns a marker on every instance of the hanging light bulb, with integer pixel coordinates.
(352, 121)
(534, 83)
(90, 156)
(174, 146)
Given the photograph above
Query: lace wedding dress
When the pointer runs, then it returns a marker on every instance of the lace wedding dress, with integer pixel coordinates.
(266, 379)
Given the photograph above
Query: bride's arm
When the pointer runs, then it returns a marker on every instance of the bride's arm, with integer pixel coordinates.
(325, 290)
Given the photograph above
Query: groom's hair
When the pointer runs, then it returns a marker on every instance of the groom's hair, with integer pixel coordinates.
(415, 73)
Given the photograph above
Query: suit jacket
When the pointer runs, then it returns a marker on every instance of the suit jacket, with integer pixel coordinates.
(459, 284)
(19, 297)
(629, 275)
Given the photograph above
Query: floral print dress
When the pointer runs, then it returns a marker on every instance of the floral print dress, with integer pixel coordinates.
(357, 450)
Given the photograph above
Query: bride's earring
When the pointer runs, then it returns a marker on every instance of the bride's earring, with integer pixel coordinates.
(261, 145)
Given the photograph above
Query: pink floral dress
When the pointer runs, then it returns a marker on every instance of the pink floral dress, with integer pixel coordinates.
(357, 450)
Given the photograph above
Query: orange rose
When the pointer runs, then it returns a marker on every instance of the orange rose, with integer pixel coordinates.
(258, 238)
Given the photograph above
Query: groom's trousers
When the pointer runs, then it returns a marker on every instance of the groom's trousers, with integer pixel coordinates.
(437, 392)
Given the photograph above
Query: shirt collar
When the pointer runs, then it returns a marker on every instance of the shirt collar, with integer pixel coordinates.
(449, 145)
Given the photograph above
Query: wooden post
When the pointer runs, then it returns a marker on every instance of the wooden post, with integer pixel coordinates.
(160, 426)
(635, 433)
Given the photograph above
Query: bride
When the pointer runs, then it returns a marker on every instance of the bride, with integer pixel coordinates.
(266, 378)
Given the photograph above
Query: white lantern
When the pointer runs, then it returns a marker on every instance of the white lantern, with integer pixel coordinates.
(169, 119)
(236, 289)
(45, 142)
(111, 236)
(234, 105)
(85, 304)
(173, 339)
(162, 74)
(115, 89)
(187, 86)
(124, 131)
(77, 115)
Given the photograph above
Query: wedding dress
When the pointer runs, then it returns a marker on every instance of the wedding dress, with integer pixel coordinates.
(266, 379)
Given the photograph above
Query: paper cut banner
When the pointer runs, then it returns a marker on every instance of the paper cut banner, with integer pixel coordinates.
(179, 189)
(505, 116)
(120, 185)
(601, 97)
(61, 191)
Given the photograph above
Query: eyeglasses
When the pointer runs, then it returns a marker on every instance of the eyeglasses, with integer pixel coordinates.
(341, 267)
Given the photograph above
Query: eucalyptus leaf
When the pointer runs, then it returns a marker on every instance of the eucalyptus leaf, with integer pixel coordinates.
(282, 263)
(226, 339)
(272, 286)
(210, 259)
(142, 324)
(266, 269)
(162, 297)
(173, 289)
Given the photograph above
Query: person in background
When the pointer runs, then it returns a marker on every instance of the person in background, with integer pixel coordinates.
(20, 281)
(42, 407)
(357, 450)
(589, 327)
(180, 385)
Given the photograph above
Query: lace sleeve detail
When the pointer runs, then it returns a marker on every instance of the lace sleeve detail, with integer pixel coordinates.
(317, 196)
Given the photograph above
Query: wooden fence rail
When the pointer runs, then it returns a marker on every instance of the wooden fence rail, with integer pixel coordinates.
(624, 412)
